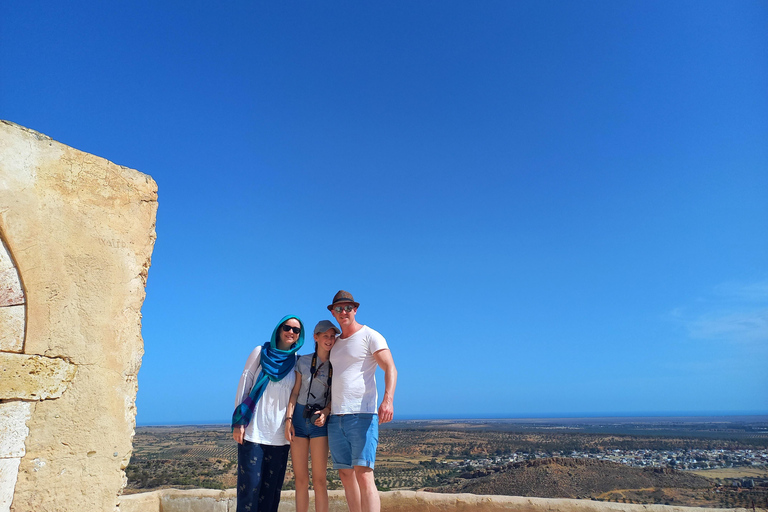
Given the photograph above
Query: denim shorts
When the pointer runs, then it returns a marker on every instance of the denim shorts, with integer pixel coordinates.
(304, 427)
(353, 439)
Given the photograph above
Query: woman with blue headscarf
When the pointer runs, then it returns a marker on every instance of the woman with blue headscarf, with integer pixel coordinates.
(258, 423)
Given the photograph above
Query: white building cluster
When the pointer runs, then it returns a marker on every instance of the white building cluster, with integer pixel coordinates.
(677, 459)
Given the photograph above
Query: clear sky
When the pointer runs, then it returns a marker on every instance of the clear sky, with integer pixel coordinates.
(547, 208)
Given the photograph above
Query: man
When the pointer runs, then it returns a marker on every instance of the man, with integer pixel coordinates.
(353, 428)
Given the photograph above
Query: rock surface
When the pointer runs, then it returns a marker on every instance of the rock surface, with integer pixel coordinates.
(76, 237)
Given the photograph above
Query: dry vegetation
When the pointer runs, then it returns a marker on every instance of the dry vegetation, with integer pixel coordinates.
(730, 473)
(190, 457)
(578, 478)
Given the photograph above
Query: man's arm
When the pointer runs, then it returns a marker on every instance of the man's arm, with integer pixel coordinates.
(384, 360)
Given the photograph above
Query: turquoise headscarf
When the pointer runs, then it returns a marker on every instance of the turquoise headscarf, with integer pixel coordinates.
(275, 364)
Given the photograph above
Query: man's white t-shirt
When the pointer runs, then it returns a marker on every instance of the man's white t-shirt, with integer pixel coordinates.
(353, 387)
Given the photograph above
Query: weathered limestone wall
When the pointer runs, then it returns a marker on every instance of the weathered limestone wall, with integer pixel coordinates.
(171, 500)
(76, 236)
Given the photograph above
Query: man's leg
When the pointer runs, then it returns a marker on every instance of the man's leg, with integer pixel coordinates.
(369, 494)
(363, 433)
(342, 460)
(351, 489)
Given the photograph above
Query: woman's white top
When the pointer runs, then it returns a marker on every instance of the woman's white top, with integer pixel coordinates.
(267, 425)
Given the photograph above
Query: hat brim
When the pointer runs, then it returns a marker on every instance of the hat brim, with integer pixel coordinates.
(336, 329)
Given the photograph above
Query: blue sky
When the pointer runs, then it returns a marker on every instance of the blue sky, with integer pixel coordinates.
(547, 208)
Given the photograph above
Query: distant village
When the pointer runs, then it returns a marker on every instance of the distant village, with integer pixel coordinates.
(685, 459)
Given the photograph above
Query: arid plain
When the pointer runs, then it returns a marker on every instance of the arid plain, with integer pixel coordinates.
(712, 462)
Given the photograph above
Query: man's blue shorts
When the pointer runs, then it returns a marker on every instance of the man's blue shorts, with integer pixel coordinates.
(305, 428)
(353, 439)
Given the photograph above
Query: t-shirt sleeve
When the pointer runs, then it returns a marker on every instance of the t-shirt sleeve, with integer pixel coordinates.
(376, 342)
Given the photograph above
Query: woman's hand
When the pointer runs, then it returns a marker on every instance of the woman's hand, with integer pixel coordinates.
(239, 434)
(290, 432)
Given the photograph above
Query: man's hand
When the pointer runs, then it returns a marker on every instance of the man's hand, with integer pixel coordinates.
(386, 410)
(239, 434)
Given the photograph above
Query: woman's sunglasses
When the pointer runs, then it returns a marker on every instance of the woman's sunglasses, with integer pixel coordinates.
(296, 330)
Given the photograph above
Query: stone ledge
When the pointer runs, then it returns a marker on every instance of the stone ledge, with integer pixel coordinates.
(29, 377)
(204, 500)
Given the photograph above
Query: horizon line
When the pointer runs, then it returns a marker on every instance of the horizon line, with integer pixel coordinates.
(586, 416)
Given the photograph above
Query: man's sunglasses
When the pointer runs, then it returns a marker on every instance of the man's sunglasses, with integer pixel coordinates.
(296, 330)
(346, 309)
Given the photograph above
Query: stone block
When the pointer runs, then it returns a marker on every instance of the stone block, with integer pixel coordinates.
(9, 472)
(11, 328)
(141, 502)
(5, 258)
(202, 501)
(11, 293)
(13, 428)
(6, 261)
(25, 377)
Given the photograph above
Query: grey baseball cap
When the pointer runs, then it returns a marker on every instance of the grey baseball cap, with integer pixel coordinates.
(324, 325)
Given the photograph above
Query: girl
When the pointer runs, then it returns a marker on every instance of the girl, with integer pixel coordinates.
(308, 410)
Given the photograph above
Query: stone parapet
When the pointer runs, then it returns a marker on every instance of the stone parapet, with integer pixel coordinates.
(203, 500)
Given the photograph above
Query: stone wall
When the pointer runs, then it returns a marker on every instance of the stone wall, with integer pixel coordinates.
(76, 236)
(171, 500)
